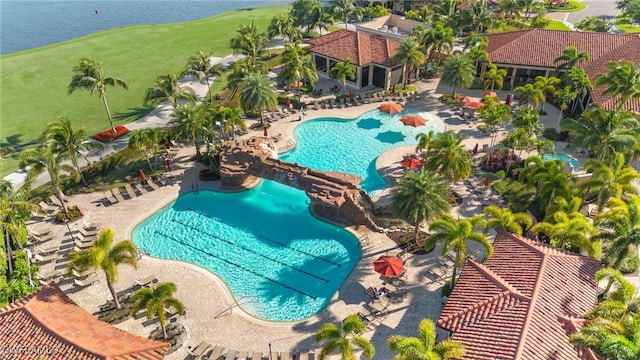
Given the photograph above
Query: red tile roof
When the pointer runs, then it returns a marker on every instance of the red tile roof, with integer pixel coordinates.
(361, 47)
(509, 307)
(49, 324)
(539, 47)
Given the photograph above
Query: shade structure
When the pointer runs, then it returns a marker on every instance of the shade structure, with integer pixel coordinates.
(296, 84)
(388, 266)
(391, 108)
(413, 120)
(411, 163)
(489, 93)
(475, 105)
(465, 99)
(142, 175)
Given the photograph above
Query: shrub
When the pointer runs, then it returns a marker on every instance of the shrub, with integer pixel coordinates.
(109, 135)
(631, 263)
(73, 214)
(208, 175)
(498, 160)
(551, 134)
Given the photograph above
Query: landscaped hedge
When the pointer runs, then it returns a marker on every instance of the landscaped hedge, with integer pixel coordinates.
(109, 135)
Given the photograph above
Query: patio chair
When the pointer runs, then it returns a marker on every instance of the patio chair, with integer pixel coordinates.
(285, 355)
(88, 226)
(200, 349)
(35, 239)
(48, 208)
(41, 233)
(315, 105)
(146, 281)
(45, 258)
(256, 355)
(231, 355)
(216, 353)
(88, 233)
(132, 193)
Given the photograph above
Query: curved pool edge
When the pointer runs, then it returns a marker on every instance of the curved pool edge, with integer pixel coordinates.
(222, 285)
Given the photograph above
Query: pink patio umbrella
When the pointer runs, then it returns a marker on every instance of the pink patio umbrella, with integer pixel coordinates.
(391, 108)
(465, 99)
(475, 105)
(413, 120)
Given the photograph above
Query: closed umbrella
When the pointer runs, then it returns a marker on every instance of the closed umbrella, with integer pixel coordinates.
(297, 84)
(413, 120)
(475, 149)
(388, 266)
(391, 108)
(168, 165)
(143, 178)
(393, 90)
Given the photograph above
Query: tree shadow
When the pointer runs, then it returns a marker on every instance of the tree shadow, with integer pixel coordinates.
(133, 114)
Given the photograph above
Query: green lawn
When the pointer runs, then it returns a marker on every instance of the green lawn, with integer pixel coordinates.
(34, 82)
(571, 7)
(625, 25)
(557, 25)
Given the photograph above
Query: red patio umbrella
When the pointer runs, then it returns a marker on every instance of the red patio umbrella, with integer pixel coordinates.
(413, 120)
(143, 178)
(388, 266)
(489, 93)
(475, 105)
(168, 165)
(411, 163)
(391, 108)
(465, 99)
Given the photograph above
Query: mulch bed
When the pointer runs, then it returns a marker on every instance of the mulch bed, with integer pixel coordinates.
(176, 336)
(109, 314)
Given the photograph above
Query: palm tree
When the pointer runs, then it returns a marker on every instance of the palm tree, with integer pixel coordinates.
(481, 15)
(494, 77)
(458, 72)
(424, 141)
(438, 38)
(473, 39)
(553, 182)
(342, 340)
(529, 94)
(504, 219)
(298, 65)
(570, 233)
(155, 301)
(345, 9)
(448, 157)
(168, 87)
(68, 144)
(249, 42)
(564, 96)
(282, 25)
(424, 346)
(610, 339)
(570, 58)
(201, 68)
(38, 160)
(303, 13)
(145, 141)
(257, 93)
(578, 81)
(419, 197)
(477, 54)
(455, 234)
(620, 229)
(103, 256)
(342, 71)
(14, 211)
(189, 123)
(622, 82)
(89, 75)
(495, 116)
(510, 9)
(612, 179)
(232, 118)
(320, 18)
(410, 55)
(528, 119)
(604, 132)
(620, 303)
(570, 207)
(547, 85)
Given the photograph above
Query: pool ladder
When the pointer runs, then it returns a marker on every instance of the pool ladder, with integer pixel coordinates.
(232, 306)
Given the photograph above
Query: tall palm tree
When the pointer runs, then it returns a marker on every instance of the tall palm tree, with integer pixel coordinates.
(38, 160)
(622, 82)
(455, 235)
(504, 219)
(610, 339)
(481, 16)
(69, 144)
(342, 71)
(578, 81)
(510, 9)
(620, 229)
(14, 212)
(232, 118)
(564, 96)
(155, 301)
(298, 65)
(303, 12)
(168, 87)
(346, 9)
(448, 157)
(570, 207)
(528, 119)
(458, 72)
(604, 132)
(473, 39)
(494, 77)
(553, 182)
(611, 179)
(620, 303)
(201, 68)
(424, 346)
(145, 141)
(89, 75)
(106, 256)
(424, 141)
(572, 234)
(320, 18)
(547, 85)
(477, 54)
(341, 341)
(257, 93)
(529, 94)
(189, 124)
(249, 42)
(282, 25)
(438, 38)
(570, 58)
(419, 197)
(410, 55)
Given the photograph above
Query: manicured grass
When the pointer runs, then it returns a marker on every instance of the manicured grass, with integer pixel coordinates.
(34, 82)
(571, 7)
(557, 25)
(625, 25)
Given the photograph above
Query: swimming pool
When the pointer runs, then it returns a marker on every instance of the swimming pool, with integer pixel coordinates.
(352, 146)
(280, 262)
(564, 157)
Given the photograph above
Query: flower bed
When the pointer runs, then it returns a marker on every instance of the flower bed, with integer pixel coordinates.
(109, 135)
(499, 160)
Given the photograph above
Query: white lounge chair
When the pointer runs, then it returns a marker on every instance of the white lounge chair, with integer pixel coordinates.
(129, 190)
(231, 355)
(145, 281)
(216, 353)
(90, 280)
(242, 355)
(45, 258)
(54, 275)
(303, 354)
(89, 226)
(48, 208)
(116, 194)
(256, 355)
(200, 349)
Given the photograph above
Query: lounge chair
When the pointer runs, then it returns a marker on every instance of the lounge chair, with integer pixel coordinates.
(116, 194)
(231, 355)
(82, 274)
(35, 239)
(145, 281)
(48, 208)
(242, 355)
(88, 233)
(141, 189)
(90, 280)
(88, 226)
(130, 191)
(83, 245)
(285, 355)
(45, 258)
(303, 354)
(54, 275)
(216, 353)
(256, 355)
(151, 184)
(200, 349)
(109, 199)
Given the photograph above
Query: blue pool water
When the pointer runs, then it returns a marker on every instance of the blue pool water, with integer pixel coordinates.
(280, 262)
(564, 157)
(352, 146)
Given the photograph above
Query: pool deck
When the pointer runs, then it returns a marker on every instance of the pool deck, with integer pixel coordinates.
(211, 314)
